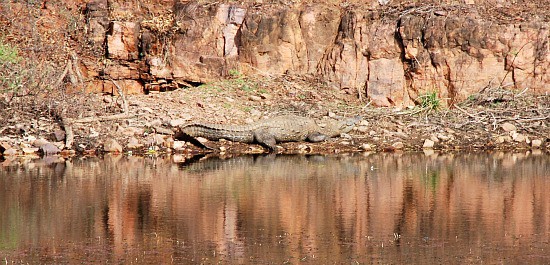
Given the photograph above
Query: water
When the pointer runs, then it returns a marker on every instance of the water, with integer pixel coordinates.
(355, 209)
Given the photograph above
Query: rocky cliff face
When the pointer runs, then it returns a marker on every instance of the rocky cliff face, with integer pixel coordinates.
(388, 54)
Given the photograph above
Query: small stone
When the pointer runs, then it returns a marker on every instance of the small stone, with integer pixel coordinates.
(434, 139)
(59, 135)
(366, 147)
(255, 112)
(536, 143)
(112, 146)
(255, 98)
(362, 129)
(156, 122)
(134, 143)
(93, 133)
(202, 140)
(428, 144)
(372, 133)
(147, 109)
(10, 152)
(49, 149)
(29, 150)
(518, 137)
(442, 137)
(177, 145)
(508, 127)
(500, 140)
(40, 142)
(398, 145)
(108, 99)
(401, 135)
(223, 149)
(364, 123)
(332, 114)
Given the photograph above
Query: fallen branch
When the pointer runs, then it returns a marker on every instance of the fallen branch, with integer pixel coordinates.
(104, 118)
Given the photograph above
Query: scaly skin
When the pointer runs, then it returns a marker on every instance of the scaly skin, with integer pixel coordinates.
(289, 128)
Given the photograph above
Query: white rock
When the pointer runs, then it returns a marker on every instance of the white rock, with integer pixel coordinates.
(177, 145)
(134, 143)
(255, 98)
(362, 129)
(49, 149)
(10, 152)
(40, 142)
(508, 127)
(398, 145)
(112, 146)
(29, 150)
(536, 143)
(366, 147)
(428, 144)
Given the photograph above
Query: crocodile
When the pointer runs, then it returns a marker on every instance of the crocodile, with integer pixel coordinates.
(269, 132)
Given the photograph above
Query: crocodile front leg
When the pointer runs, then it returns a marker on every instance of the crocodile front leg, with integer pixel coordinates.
(266, 139)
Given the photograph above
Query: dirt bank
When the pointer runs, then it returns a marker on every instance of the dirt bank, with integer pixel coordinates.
(490, 120)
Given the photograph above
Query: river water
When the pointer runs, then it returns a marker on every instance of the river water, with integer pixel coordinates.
(463, 208)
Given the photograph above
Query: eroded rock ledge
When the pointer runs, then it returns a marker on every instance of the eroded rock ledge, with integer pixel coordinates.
(388, 54)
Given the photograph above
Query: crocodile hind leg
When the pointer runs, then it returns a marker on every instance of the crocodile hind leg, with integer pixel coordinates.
(266, 139)
(316, 137)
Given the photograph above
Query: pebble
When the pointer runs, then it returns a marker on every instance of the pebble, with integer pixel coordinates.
(518, 137)
(29, 150)
(49, 149)
(364, 123)
(177, 145)
(366, 147)
(434, 139)
(255, 98)
(202, 140)
(508, 127)
(10, 152)
(428, 144)
(40, 142)
(112, 146)
(362, 129)
(398, 145)
(59, 135)
(134, 143)
(442, 137)
(536, 143)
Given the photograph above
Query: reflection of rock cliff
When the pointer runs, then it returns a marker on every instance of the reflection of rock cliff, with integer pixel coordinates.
(387, 207)
(390, 54)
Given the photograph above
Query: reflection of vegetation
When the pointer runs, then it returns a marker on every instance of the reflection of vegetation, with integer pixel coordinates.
(9, 237)
(431, 180)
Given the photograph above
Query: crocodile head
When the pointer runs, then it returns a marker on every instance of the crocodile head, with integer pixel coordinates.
(342, 126)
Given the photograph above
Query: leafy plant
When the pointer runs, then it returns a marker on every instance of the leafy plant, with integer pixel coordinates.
(8, 54)
(430, 101)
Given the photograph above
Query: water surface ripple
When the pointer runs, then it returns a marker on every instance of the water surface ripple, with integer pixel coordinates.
(349, 209)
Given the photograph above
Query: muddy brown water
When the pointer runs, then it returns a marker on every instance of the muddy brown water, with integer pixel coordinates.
(349, 209)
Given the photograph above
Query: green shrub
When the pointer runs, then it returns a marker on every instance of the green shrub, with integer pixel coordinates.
(8, 53)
